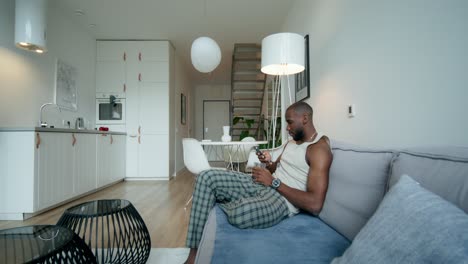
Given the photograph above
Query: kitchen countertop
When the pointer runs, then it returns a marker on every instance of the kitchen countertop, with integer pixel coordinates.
(58, 130)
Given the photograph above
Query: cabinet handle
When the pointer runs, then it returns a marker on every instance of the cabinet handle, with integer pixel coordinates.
(104, 135)
(139, 140)
(139, 56)
(125, 87)
(132, 136)
(139, 77)
(125, 56)
(111, 139)
(73, 140)
(38, 140)
(139, 130)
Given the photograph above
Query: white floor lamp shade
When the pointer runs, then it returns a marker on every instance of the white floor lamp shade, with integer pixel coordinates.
(30, 25)
(283, 54)
(205, 54)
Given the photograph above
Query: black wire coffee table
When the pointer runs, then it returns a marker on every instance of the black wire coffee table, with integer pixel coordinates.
(113, 229)
(43, 244)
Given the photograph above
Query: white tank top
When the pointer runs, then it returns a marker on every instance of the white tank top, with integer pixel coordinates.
(293, 169)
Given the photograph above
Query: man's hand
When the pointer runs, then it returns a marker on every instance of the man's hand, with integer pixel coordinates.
(262, 176)
(264, 156)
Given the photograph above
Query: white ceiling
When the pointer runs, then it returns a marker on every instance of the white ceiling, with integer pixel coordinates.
(182, 21)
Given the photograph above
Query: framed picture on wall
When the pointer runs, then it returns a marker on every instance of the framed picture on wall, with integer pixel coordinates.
(65, 86)
(301, 80)
(183, 109)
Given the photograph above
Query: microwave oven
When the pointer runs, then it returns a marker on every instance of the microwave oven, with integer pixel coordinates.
(110, 109)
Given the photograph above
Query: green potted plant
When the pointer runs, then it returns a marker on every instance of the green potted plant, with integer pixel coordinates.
(247, 125)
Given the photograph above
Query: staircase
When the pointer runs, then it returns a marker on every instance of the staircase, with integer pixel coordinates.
(248, 85)
(251, 93)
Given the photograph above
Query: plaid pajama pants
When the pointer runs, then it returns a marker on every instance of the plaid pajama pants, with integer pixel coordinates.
(246, 204)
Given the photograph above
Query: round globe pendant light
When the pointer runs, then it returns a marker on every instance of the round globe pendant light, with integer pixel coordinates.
(205, 54)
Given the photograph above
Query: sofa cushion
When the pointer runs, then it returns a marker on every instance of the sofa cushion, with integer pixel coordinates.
(411, 225)
(298, 239)
(442, 170)
(357, 182)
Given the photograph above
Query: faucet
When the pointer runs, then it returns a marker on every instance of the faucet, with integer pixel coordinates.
(42, 122)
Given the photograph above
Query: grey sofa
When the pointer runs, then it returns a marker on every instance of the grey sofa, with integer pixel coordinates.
(369, 215)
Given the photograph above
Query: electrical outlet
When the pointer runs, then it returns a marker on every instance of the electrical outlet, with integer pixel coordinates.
(351, 110)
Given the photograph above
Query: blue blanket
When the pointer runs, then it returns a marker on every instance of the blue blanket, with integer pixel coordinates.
(299, 239)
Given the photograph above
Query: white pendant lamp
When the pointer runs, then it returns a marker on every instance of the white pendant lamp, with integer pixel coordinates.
(205, 54)
(283, 54)
(30, 25)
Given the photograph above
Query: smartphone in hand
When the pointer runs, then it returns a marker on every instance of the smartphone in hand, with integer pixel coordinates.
(257, 151)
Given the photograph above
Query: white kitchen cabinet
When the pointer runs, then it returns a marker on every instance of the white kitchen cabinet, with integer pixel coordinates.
(110, 159)
(118, 157)
(84, 166)
(40, 169)
(111, 67)
(150, 105)
(104, 160)
(153, 107)
(54, 169)
(153, 156)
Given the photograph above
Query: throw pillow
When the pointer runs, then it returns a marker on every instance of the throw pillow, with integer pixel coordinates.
(411, 225)
(441, 170)
(357, 182)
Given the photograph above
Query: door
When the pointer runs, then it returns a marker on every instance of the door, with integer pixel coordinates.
(216, 114)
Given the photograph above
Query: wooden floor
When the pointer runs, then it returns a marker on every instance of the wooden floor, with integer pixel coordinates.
(160, 203)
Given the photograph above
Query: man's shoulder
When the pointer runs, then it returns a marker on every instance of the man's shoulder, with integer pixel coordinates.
(321, 146)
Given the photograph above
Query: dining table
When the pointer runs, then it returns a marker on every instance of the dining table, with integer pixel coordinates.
(232, 153)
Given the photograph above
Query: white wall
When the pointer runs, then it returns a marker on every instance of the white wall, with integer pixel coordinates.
(206, 92)
(182, 86)
(27, 79)
(402, 63)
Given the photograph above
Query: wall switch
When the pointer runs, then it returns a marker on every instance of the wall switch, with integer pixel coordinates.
(351, 110)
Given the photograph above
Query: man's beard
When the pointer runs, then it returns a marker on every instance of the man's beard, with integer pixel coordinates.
(298, 135)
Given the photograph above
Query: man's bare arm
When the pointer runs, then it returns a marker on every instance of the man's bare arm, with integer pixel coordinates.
(319, 157)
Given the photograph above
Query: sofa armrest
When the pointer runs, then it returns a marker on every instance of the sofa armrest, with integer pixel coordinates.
(206, 246)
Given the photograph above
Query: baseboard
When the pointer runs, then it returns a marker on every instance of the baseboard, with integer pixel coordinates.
(181, 171)
(146, 179)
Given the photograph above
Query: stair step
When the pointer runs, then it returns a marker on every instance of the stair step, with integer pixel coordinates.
(248, 86)
(241, 47)
(250, 102)
(247, 55)
(248, 76)
(248, 65)
(247, 111)
(247, 95)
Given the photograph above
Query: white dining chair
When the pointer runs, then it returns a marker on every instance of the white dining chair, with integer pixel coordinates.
(237, 156)
(195, 159)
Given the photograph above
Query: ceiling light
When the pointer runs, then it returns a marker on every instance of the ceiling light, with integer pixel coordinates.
(79, 12)
(205, 54)
(30, 24)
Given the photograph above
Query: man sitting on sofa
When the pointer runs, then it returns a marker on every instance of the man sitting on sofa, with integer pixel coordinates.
(298, 179)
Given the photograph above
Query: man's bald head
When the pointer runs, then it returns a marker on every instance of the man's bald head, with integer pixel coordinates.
(301, 108)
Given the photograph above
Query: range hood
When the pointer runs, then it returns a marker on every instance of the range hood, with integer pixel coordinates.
(30, 25)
